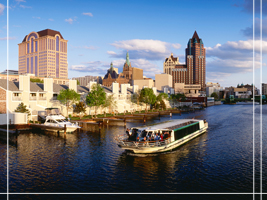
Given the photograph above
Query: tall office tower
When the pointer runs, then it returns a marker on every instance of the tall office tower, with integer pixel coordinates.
(196, 61)
(44, 54)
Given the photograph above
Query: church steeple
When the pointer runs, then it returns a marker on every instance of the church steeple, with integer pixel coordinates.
(127, 59)
(111, 67)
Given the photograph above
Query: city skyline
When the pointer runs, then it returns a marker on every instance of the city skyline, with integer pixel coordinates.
(101, 32)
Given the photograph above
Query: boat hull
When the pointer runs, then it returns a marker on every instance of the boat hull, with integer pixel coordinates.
(148, 148)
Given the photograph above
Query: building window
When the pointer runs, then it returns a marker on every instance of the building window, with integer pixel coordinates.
(57, 43)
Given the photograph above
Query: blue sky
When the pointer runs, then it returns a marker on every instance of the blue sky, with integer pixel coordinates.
(100, 32)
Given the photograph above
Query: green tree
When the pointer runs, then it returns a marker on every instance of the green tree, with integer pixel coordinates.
(78, 82)
(36, 80)
(80, 108)
(96, 97)
(68, 98)
(215, 95)
(110, 102)
(159, 103)
(22, 109)
(147, 96)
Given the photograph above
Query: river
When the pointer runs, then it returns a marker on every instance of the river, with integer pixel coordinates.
(219, 161)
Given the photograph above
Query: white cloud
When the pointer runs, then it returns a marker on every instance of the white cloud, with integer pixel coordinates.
(241, 50)
(88, 14)
(111, 53)
(19, 1)
(10, 38)
(142, 45)
(234, 57)
(70, 21)
(90, 47)
(248, 32)
(176, 46)
(36, 17)
(92, 67)
(23, 6)
(2, 8)
(146, 49)
(50, 19)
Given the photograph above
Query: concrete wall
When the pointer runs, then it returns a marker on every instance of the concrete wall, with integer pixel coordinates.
(16, 118)
(163, 80)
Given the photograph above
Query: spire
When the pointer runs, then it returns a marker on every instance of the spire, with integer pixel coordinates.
(127, 59)
(111, 67)
(195, 36)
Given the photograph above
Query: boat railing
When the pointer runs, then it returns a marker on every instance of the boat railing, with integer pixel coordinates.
(154, 143)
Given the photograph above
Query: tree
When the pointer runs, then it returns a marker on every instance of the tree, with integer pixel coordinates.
(22, 109)
(80, 108)
(68, 98)
(110, 102)
(36, 80)
(215, 95)
(78, 82)
(96, 97)
(147, 96)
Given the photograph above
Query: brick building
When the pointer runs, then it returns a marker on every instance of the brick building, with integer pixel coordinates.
(194, 71)
(128, 75)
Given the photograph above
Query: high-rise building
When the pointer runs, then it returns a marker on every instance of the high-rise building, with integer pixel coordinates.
(194, 71)
(44, 54)
(264, 89)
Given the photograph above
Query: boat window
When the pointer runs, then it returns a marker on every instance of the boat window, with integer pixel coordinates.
(185, 131)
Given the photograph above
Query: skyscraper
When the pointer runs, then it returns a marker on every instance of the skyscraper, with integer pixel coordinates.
(194, 71)
(44, 54)
(196, 61)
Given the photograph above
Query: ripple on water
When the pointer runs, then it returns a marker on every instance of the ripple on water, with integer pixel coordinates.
(220, 160)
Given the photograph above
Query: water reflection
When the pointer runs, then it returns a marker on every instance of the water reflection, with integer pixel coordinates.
(3, 167)
(220, 160)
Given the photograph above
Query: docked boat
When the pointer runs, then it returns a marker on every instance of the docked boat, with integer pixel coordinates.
(162, 137)
(54, 120)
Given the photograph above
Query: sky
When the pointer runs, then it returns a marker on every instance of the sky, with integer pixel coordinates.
(100, 32)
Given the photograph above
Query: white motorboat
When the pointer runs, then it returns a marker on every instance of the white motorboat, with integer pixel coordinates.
(176, 133)
(55, 119)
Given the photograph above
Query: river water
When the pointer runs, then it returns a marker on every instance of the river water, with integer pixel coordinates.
(219, 161)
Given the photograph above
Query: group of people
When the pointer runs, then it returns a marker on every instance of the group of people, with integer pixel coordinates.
(147, 136)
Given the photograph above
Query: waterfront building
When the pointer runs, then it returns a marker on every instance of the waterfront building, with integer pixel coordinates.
(249, 88)
(44, 54)
(213, 87)
(36, 96)
(194, 71)
(242, 93)
(189, 90)
(264, 89)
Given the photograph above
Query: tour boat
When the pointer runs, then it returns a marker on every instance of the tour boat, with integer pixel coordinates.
(55, 119)
(177, 132)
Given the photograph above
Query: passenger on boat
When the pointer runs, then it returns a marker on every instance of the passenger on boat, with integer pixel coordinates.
(161, 136)
(166, 135)
(128, 132)
(157, 137)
